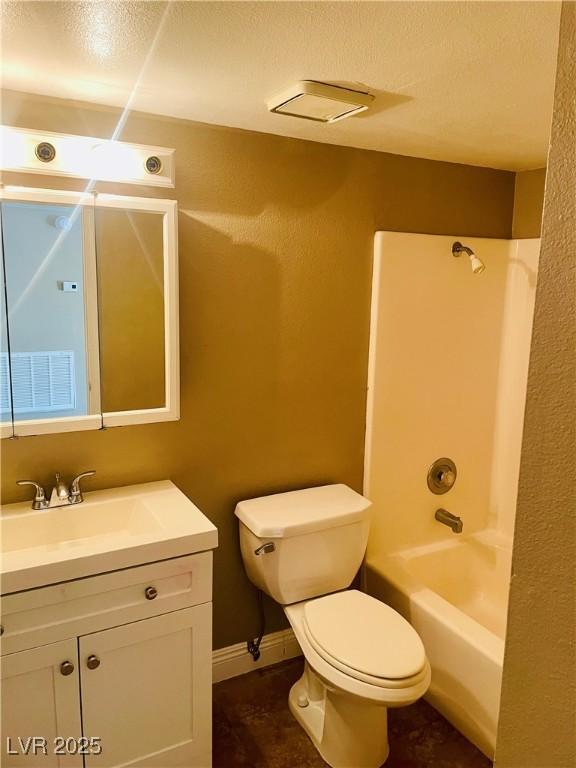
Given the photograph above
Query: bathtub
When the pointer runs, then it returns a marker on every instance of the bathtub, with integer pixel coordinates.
(455, 594)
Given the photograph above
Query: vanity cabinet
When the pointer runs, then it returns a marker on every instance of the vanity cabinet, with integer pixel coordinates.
(147, 697)
(38, 699)
(125, 660)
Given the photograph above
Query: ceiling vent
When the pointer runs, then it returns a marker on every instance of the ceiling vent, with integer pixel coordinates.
(319, 101)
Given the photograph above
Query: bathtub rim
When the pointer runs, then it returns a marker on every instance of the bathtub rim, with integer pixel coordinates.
(394, 568)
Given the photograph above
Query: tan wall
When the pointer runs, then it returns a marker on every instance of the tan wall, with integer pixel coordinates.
(537, 721)
(528, 202)
(276, 239)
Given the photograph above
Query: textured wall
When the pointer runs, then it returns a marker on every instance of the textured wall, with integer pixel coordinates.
(528, 202)
(276, 239)
(537, 723)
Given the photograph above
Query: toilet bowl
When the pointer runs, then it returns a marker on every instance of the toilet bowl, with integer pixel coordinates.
(351, 677)
(303, 548)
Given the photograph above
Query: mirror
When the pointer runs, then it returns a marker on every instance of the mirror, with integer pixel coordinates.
(5, 394)
(91, 338)
(130, 277)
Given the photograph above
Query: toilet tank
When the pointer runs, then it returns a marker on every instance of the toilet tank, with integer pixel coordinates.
(306, 543)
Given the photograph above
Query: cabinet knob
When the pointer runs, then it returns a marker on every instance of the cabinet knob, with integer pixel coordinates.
(92, 662)
(151, 593)
(1, 630)
(66, 668)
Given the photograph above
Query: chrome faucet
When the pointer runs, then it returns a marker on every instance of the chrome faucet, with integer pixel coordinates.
(61, 495)
(447, 518)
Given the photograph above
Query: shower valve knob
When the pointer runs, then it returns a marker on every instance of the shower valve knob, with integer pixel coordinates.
(442, 476)
(447, 478)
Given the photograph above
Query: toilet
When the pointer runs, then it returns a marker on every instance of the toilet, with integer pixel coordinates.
(303, 548)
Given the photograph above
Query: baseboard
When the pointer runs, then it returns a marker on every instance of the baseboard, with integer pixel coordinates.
(236, 660)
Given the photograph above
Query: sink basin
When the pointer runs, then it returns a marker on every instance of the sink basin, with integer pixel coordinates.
(65, 527)
(111, 529)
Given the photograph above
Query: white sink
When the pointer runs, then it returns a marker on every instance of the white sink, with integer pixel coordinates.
(111, 529)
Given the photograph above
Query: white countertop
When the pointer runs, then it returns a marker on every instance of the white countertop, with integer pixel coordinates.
(111, 529)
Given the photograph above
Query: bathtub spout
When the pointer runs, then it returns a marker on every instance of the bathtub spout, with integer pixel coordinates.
(447, 518)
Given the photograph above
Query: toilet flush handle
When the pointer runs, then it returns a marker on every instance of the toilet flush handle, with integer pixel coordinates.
(265, 548)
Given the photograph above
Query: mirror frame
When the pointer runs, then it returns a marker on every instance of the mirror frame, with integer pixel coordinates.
(170, 411)
(90, 202)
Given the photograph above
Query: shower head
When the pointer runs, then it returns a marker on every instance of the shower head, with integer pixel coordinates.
(476, 263)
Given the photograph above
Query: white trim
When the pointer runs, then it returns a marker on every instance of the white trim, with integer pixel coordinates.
(6, 429)
(171, 311)
(374, 308)
(25, 428)
(171, 410)
(7, 426)
(235, 659)
(143, 416)
(91, 328)
(129, 203)
(52, 196)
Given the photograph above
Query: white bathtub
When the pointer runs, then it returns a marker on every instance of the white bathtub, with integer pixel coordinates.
(455, 594)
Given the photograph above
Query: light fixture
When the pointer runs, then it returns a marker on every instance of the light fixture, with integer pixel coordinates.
(85, 157)
(153, 164)
(45, 152)
(322, 102)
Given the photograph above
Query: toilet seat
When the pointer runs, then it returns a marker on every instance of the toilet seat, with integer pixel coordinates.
(366, 639)
(379, 691)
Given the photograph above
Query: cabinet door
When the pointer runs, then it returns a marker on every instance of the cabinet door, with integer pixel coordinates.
(147, 691)
(40, 697)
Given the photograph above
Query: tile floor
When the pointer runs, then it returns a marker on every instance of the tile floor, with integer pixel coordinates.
(253, 727)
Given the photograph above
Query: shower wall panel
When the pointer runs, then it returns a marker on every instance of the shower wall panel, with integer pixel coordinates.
(448, 366)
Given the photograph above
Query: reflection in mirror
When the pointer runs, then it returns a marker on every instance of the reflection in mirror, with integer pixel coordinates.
(51, 309)
(130, 264)
(5, 394)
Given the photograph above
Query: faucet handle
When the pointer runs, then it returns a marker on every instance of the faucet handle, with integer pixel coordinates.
(75, 490)
(39, 501)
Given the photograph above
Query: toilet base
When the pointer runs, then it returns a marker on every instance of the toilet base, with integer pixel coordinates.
(347, 731)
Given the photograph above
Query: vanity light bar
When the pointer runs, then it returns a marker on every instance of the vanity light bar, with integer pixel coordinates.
(84, 157)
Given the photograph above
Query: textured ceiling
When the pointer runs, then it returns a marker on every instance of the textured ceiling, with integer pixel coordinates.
(468, 82)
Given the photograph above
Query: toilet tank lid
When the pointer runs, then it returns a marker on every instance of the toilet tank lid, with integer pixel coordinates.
(304, 511)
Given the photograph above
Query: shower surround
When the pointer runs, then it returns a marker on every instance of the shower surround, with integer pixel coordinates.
(448, 366)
